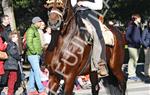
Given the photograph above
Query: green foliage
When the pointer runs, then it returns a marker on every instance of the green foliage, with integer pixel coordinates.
(25, 14)
(123, 9)
(120, 10)
(21, 3)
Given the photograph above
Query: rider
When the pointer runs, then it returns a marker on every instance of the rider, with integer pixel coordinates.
(99, 59)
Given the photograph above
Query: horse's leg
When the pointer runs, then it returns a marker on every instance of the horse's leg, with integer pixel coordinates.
(69, 85)
(53, 84)
(116, 67)
(94, 82)
(121, 79)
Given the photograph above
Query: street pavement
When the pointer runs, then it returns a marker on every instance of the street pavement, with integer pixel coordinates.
(133, 87)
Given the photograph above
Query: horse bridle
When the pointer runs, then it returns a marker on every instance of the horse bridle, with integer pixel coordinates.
(61, 15)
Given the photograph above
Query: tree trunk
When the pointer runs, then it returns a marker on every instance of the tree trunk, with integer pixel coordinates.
(7, 6)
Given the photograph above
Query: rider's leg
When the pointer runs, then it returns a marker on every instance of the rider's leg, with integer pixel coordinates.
(97, 61)
(103, 64)
(92, 16)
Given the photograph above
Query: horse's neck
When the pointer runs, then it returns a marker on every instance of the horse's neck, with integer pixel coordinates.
(70, 27)
(69, 18)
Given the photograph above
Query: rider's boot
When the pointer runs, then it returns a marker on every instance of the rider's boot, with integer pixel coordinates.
(102, 69)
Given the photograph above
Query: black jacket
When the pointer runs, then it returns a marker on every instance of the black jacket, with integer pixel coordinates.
(13, 52)
(4, 31)
(134, 35)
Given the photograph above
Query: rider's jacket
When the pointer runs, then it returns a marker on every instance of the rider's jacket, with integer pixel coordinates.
(96, 5)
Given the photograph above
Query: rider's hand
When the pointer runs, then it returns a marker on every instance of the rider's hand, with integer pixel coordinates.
(79, 3)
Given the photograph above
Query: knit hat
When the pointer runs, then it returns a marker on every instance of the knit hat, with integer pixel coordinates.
(36, 19)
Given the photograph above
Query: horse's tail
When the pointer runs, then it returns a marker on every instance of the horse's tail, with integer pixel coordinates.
(113, 86)
(115, 82)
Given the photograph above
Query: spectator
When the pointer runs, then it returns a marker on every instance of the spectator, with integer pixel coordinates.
(77, 84)
(40, 30)
(133, 37)
(34, 51)
(2, 48)
(5, 27)
(84, 81)
(47, 37)
(11, 64)
(146, 43)
(44, 76)
(42, 26)
(4, 31)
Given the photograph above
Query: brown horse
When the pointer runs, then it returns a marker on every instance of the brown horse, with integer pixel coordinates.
(115, 58)
(68, 54)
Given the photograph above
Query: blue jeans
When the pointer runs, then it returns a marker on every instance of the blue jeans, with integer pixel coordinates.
(34, 76)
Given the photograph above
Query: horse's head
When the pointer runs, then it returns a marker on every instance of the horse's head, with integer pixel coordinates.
(68, 47)
(58, 9)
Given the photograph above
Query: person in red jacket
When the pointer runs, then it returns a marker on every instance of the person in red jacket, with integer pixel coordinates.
(2, 48)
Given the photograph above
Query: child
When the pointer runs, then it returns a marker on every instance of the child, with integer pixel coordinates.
(11, 64)
(47, 37)
(84, 81)
(44, 74)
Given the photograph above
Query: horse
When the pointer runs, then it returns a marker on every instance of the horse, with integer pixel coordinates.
(68, 54)
(116, 81)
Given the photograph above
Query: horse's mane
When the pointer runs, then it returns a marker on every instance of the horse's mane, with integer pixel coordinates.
(55, 35)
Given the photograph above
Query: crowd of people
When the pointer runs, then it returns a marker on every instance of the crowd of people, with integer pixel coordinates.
(36, 41)
(34, 45)
(137, 38)
(37, 38)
